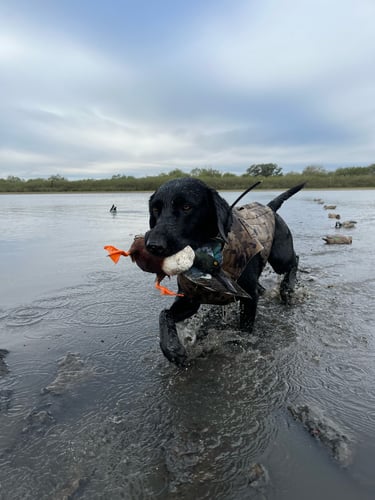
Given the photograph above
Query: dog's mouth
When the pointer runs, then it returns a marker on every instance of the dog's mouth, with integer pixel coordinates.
(162, 245)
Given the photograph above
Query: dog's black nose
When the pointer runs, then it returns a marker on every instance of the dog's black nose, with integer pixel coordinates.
(156, 244)
(156, 248)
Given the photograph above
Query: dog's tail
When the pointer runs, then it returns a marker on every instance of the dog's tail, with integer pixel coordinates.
(276, 203)
(243, 194)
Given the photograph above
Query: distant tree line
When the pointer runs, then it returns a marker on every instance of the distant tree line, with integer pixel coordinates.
(270, 174)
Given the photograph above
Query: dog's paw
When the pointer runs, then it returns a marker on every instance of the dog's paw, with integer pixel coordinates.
(286, 294)
(170, 344)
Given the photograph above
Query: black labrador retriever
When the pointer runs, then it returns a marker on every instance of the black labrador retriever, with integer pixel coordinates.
(185, 212)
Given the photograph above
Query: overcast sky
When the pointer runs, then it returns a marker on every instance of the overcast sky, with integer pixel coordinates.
(92, 89)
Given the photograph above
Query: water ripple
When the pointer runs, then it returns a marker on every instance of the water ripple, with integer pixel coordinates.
(25, 316)
(104, 276)
(56, 302)
(3, 314)
(103, 314)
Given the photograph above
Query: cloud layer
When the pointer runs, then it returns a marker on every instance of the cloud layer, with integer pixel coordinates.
(138, 88)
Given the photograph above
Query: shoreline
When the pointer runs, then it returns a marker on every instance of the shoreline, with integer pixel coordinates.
(6, 193)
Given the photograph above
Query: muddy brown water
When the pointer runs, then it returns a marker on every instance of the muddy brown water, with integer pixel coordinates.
(90, 408)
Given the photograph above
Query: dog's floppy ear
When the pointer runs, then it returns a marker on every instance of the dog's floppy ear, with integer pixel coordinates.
(224, 216)
(152, 220)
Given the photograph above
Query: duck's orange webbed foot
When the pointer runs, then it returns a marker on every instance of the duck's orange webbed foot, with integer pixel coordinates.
(165, 291)
(115, 254)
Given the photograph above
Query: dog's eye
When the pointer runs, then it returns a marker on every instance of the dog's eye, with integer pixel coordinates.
(186, 207)
(155, 211)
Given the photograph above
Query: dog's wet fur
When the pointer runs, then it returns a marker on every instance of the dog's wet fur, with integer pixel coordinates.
(185, 212)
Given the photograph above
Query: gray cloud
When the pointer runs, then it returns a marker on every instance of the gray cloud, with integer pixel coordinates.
(282, 82)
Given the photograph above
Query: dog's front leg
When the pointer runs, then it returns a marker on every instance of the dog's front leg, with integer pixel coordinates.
(248, 309)
(249, 282)
(170, 344)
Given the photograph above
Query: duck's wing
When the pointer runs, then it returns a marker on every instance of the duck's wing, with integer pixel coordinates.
(219, 285)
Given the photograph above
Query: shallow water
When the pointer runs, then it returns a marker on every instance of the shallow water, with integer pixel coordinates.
(113, 419)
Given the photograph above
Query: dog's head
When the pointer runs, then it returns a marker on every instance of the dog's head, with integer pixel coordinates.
(185, 212)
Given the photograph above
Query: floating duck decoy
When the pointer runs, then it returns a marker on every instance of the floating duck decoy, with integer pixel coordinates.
(333, 216)
(347, 224)
(329, 207)
(337, 239)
